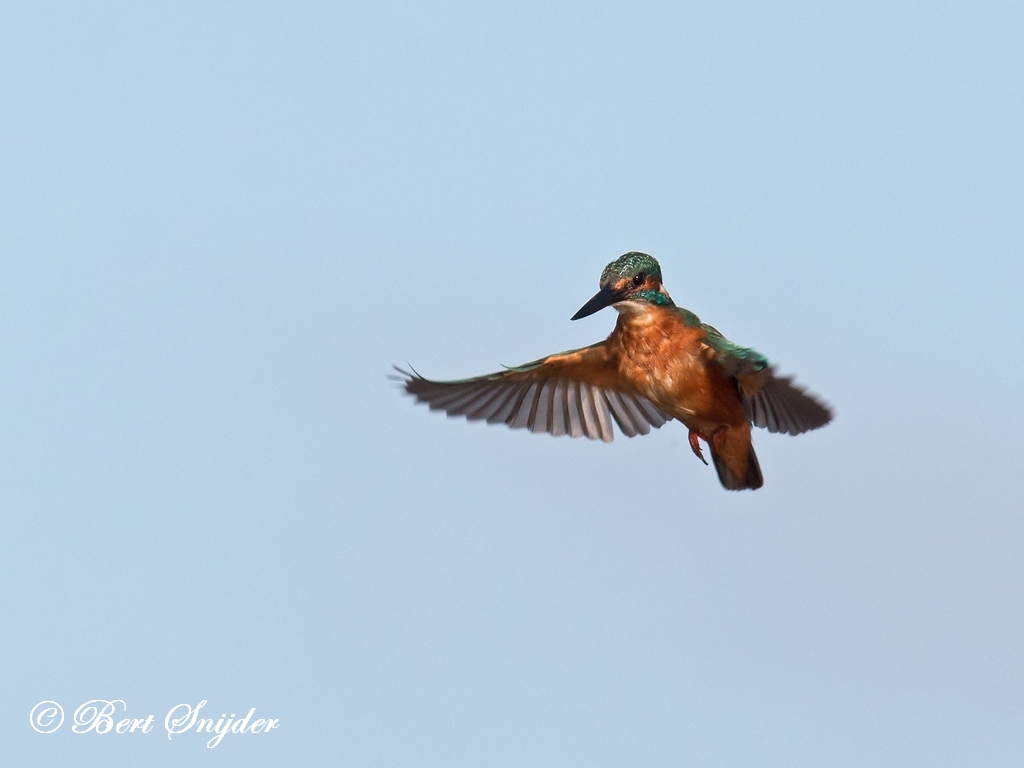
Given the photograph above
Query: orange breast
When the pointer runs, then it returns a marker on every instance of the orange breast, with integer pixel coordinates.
(663, 359)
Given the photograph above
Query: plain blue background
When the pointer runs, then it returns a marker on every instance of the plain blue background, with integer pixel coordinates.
(220, 224)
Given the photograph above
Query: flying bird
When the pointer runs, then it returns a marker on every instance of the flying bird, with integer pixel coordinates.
(659, 363)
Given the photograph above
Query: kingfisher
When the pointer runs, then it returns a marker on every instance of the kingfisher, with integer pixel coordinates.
(659, 363)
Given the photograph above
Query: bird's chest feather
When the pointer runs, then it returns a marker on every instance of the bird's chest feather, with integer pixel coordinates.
(660, 355)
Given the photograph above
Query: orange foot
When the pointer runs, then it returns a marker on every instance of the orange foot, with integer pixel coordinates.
(716, 442)
(695, 446)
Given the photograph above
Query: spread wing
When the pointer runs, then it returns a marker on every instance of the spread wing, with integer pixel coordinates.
(769, 400)
(575, 393)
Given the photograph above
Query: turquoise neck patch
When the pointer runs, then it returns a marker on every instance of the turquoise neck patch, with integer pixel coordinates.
(657, 298)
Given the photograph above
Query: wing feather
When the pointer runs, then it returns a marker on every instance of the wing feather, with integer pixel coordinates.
(454, 402)
(654, 416)
(488, 405)
(511, 399)
(517, 419)
(575, 393)
(574, 423)
(468, 407)
(603, 414)
(779, 405)
(588, 412)
(558, 409)
(637, 412)
(620, 413)
(539, 413)
(770, 401)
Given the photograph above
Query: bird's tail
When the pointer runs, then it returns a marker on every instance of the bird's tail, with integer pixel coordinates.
(736, 461)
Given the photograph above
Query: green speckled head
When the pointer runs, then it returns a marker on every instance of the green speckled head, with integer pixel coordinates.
(630, 281)
(628, 266)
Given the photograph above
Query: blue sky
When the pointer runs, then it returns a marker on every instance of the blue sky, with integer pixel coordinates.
(221, 224)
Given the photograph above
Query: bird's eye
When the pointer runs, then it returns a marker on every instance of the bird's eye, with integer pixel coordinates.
(639, 279)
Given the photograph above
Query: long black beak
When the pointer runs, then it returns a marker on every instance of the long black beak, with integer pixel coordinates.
(603, 298)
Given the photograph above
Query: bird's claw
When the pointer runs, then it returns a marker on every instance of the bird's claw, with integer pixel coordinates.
(695, 446)
(716, 441)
